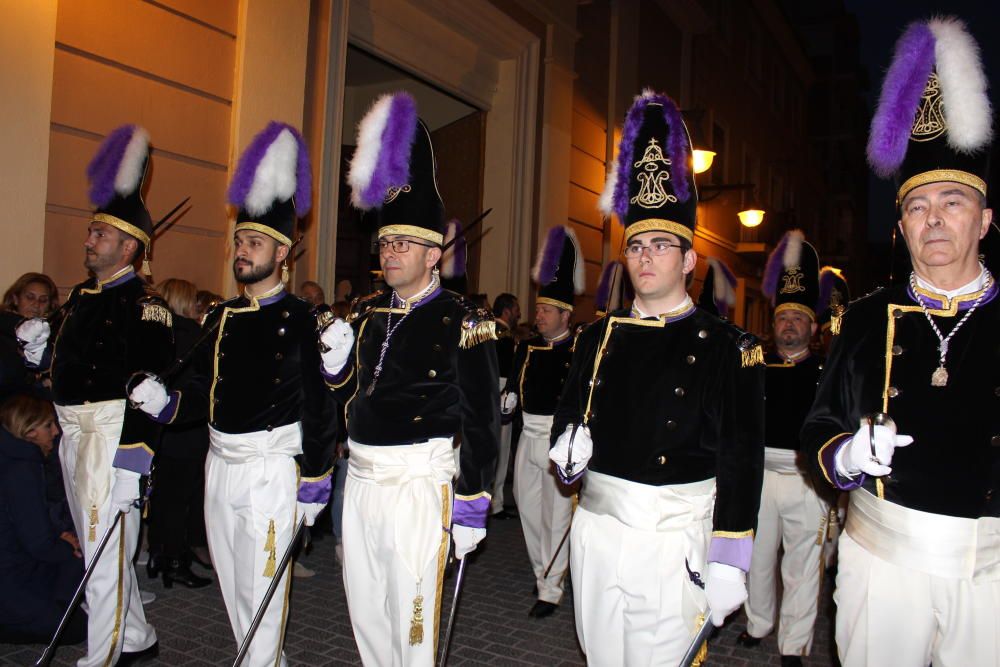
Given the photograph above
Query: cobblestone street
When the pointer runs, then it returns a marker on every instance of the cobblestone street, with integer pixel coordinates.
(492, 627)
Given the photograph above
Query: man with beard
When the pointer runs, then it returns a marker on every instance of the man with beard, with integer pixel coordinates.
(792, 516)
(906, 416)
(258, 382)
(113, 325)
(416, 367)
(663, 411)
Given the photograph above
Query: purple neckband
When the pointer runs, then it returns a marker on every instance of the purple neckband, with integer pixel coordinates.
(120, 280)
(965, 304)
(268, 300)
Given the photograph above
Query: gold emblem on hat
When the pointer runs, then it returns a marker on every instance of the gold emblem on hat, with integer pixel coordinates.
(792, 281)
(930, 122)
(392, 193)
(652, 194)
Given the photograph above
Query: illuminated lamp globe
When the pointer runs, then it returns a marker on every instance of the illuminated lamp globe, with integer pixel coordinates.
(702, 160)
(751, 217)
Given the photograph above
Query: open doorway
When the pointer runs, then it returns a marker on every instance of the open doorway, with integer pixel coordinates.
(458, 132)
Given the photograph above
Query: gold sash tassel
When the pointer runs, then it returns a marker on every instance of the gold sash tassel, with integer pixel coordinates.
(92, 532)
(269, 547)
(699, 659)
(752, 357)
(417, 621)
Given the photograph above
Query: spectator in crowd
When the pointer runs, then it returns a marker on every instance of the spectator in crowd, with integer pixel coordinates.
(40, 567)
(312, 292)
(31, 295)
(206, 302)
(176, 508)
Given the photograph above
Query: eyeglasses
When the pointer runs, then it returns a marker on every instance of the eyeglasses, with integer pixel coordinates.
(400, 245)
(656, 249)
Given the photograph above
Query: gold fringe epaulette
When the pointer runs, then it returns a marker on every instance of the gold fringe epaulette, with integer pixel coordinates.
(751, 351)
(836, 314)
(153, 310)
(477, 328)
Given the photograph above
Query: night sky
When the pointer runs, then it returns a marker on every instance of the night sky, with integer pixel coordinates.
(881, 23)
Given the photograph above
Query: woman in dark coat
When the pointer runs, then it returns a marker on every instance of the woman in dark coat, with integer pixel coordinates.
(40, 567)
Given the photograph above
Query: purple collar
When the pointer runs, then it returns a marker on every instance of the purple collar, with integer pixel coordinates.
(933, 301)
(120, 278)
(411, 303)
(272, 298)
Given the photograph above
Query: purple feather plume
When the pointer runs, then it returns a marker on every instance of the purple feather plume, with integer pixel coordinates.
(393, 166)
(902, 88)
(603, 294)
(547, 265)
(103, 168)
(246, 170)
(677, 148)
(774, 268)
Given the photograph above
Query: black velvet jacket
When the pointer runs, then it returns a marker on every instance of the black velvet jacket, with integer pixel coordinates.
(111, 330)
(539, 374)
(261, 370)
(438, 379)
(673, 401)
(789, 390)
(882, 361)
(505, 349)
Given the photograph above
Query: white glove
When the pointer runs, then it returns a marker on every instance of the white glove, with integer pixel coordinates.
(125, 491)
(508, 402)
(150, 396)
(337, 340)
(725, 589)
(34, 334)
(466, 539)
(856, 455)
(583, 449)
(310, 511)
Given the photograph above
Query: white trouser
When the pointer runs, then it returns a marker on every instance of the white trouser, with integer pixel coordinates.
(503, 458)
(251, 483)
(115, 620)
(634, 600)
(925, 590)
(544, 505)
(791, 517)
(397, 513)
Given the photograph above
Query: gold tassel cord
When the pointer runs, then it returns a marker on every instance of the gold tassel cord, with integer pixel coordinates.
(92, 532)
(269, 547)
(417, 620)
(699, 659)
(835, 323)
(752, 357)
(284, 273)
(145, 267)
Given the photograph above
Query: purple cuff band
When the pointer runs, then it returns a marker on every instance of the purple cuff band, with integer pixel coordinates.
(569, 480)
(471, 513)
(829, 461)
(339, 376)
(136, 459)
(315, 492)
(169, 411)
(735, 551)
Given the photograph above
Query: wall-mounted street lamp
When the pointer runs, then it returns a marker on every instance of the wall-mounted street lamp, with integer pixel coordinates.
(702, 159)
(752, 216)
(702, 156)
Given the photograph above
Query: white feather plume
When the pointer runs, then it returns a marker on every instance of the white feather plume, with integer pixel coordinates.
(579, 272)
(369, 143)
(721, 289)
(963, 85)
(275, 175)
(130, 169)
(606, 202)
(793, 250)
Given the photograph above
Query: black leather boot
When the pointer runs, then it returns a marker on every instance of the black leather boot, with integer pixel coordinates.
(153, 564)
(180, 572)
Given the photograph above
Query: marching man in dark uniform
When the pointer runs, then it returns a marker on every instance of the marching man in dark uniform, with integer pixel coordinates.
(416, 366)
(906, 415)
(834, 295)
(664, 405)
(791, 514)
(258, 381)
(506, 313)
(113, 326)
(539, 372)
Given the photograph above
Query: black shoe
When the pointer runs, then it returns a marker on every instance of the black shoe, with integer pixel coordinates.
(139, 657)
(153, 566)
(180, 572)
(791, 661)
(543, 609)
(204, 562)
(503, 515)
(747, 640)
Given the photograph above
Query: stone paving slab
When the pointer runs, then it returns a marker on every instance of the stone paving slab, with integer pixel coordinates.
(492, 627)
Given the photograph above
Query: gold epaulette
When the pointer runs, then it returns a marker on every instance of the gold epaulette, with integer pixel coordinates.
(477, 327)
(836, 314)
(363, 304)
(154, 310)
(751, 351)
